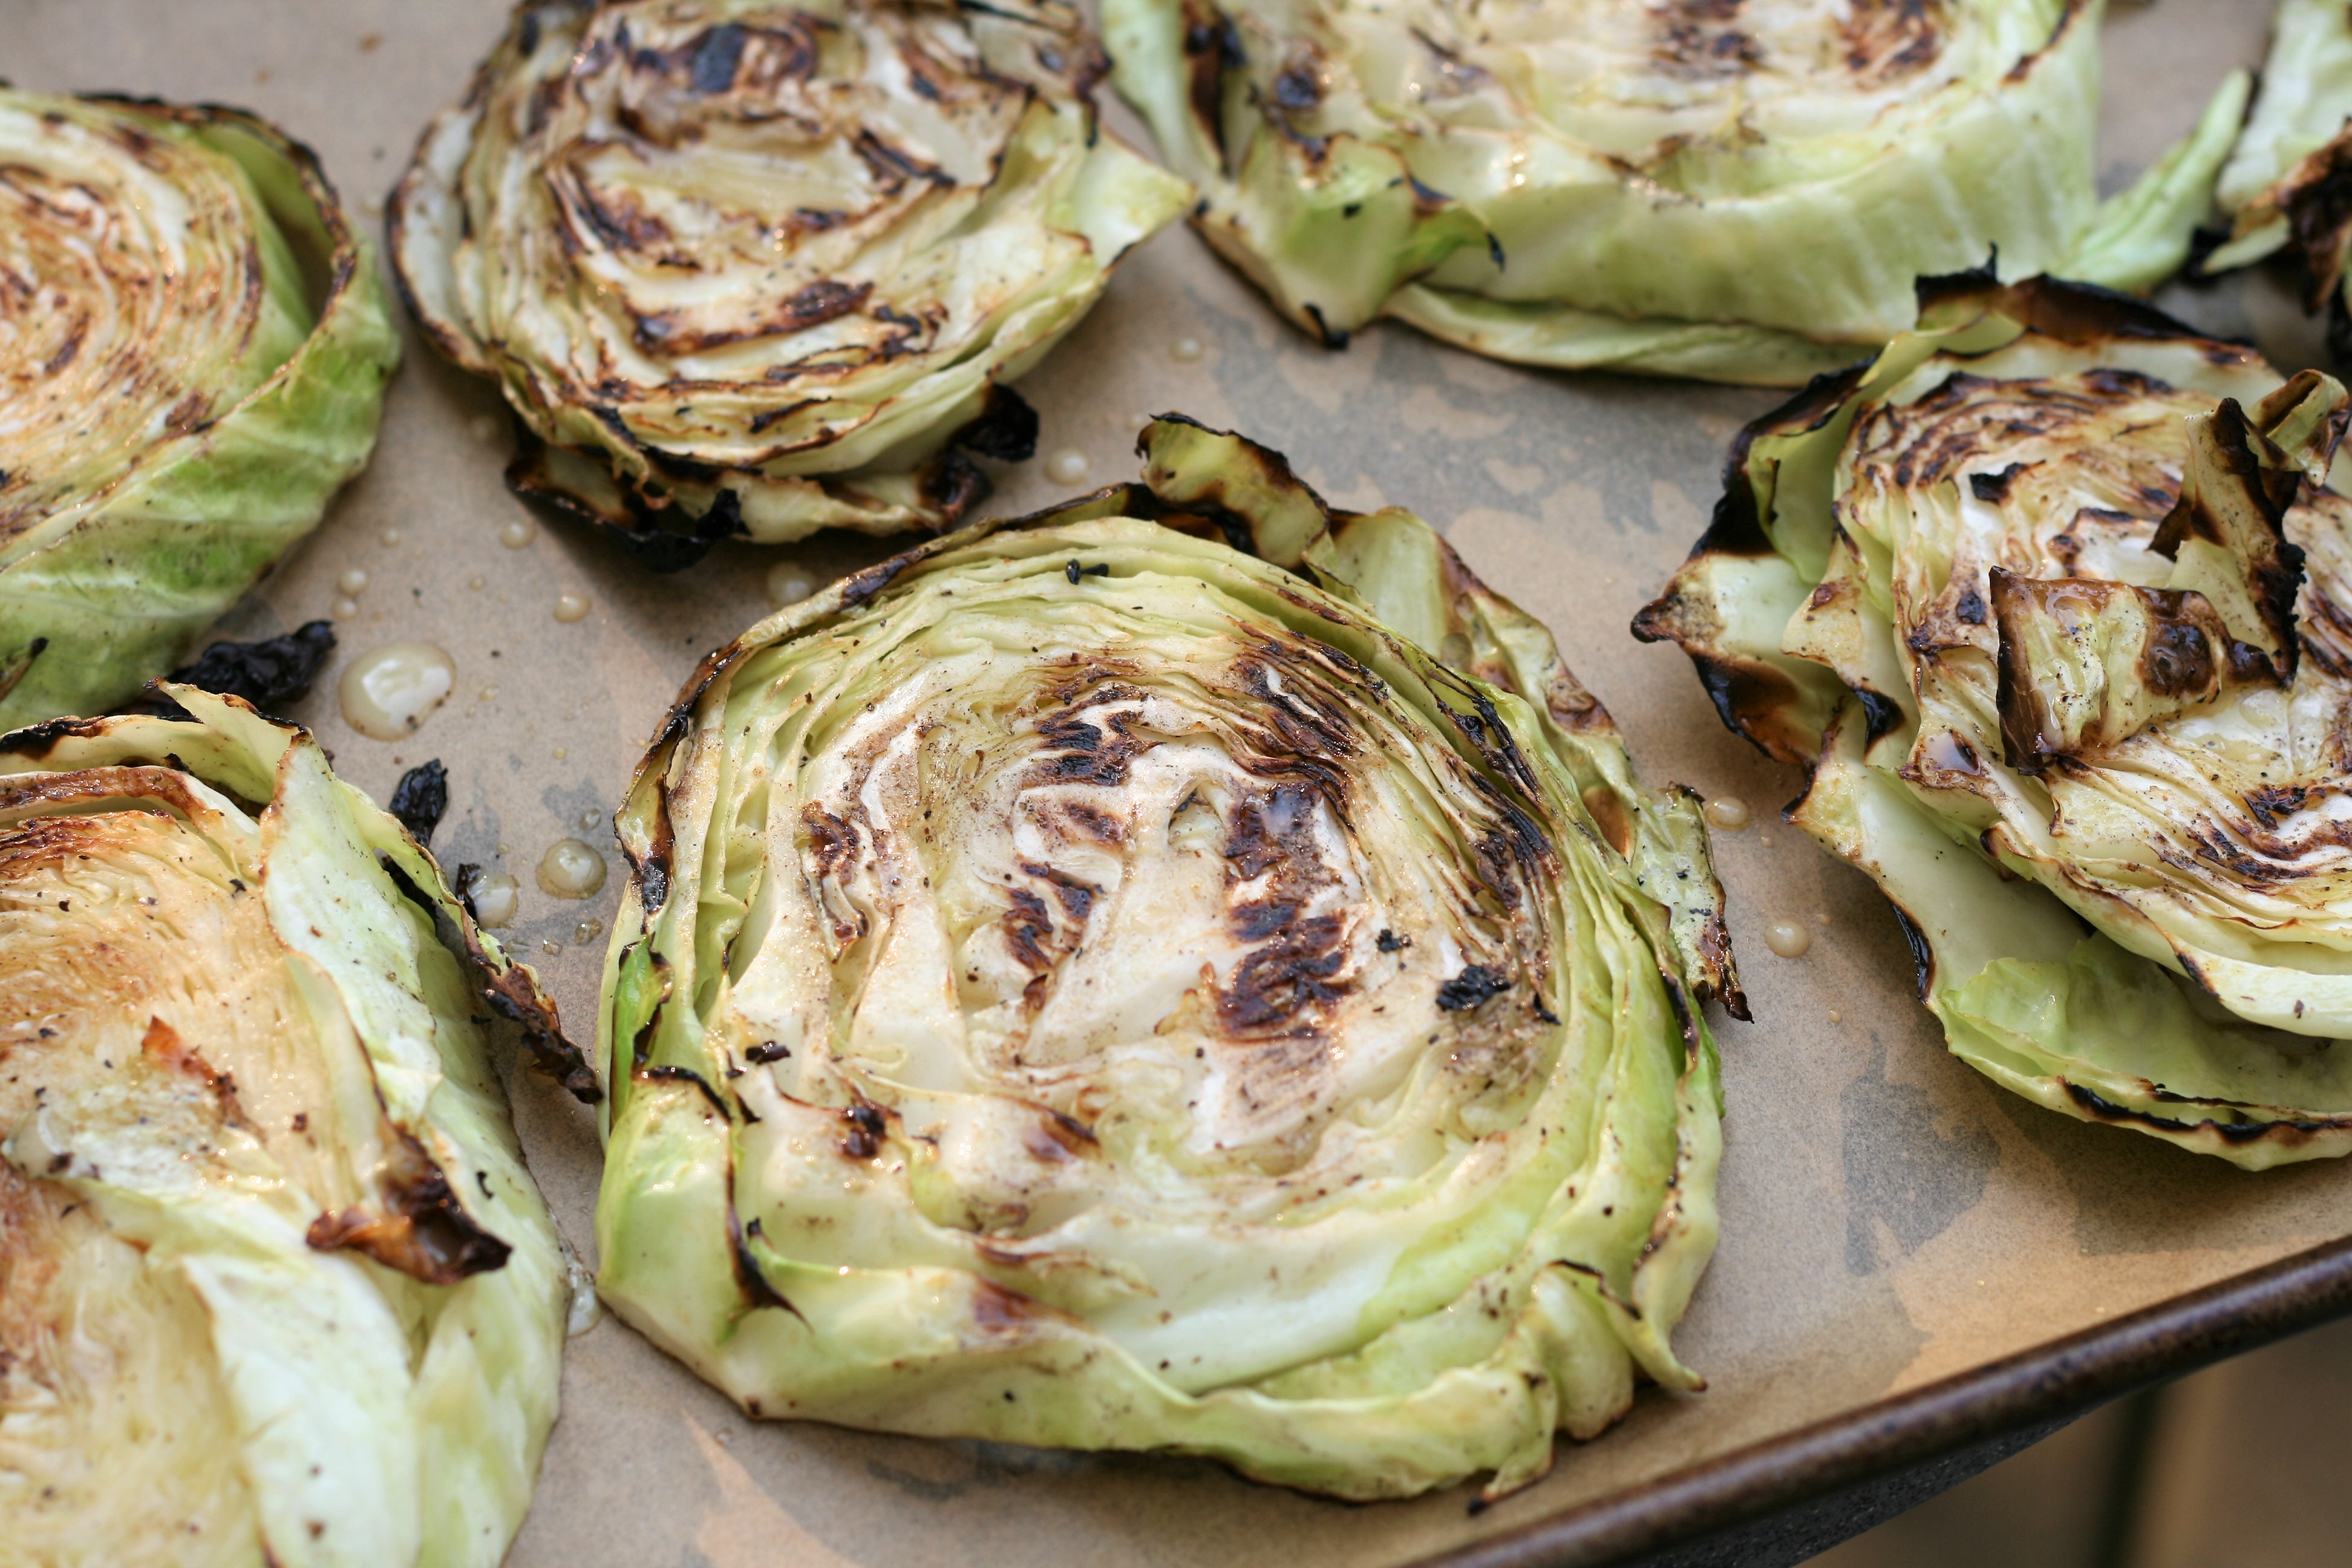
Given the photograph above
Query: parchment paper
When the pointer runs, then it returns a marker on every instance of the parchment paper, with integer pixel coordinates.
(1889, 1218)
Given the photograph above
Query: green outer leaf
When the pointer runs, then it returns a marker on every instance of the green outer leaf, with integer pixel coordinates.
(1524, 1311)
(2069, 1020)
(420, 1451)
(2143, 233)
(123, 590)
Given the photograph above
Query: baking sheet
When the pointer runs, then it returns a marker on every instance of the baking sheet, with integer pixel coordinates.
(1889, 1218)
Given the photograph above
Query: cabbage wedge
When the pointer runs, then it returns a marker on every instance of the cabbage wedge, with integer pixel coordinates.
(1099, 981)
(1739, 191)
(743, 268)
(193, 345)
(2288, 183)
(2054, 600)
(275, 1284)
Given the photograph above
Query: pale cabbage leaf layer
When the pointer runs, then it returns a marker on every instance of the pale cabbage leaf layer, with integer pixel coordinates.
(275, 1284)
(1186, 971)
(2054, 600)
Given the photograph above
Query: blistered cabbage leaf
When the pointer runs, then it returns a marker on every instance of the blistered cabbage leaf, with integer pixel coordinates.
(2288, 182)
(1736, 192)
(278, 1286)
(2055, 602)
(746, 268)
(1099, 981)
(192, 363)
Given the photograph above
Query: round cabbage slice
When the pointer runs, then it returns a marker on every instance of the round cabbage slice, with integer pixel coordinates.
(2055, 602)
(192, 363)
(1740, 191)
(747, 267)
(2288, 181)
(1096, 981)
(275, 1284)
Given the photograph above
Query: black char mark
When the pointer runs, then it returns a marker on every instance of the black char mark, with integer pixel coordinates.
(1082, 752)
(749, 1275)
(1298, 963)
(1006, 429)
(2291, 1134)
(265, 674)
(864, 1130)
(1475, 985)
(420, 799)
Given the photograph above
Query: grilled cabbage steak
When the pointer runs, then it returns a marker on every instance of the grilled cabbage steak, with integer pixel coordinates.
(2055, 602)
(1739, 191)
(193, 351)
(275, 1285)
(750, 267)
(2288, 184)
(1097, 981)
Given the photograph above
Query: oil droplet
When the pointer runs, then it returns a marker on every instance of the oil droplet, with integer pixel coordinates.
(391, 537)
(1765, 839)
(490, 694)
(386, 694)
(1068, 468)
(587, 931)
(484, 428)
(571, 607)
(345, 609)
(496, 897)
(550, 948)
(1823, 915)
(591, 818)
(353, 581)
(1728, 812)
(560, 752)
(517, 534)
(571, 870)
(1836, 1017)
(477, 584)
(1187, 349)
(787, 583)
(1785, 938)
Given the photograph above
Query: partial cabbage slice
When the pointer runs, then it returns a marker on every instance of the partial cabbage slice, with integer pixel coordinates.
(1097, 981)
(2055, 601)
(1739, 193)
(192, 363)
(275, 1284)
(748, 267)
(2289, 179)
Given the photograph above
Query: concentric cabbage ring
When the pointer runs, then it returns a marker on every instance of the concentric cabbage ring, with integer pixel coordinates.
(1088, 983)
(275, 1284)
(193, 353)
(750, 267)
(1742, 190)
(2055, 601)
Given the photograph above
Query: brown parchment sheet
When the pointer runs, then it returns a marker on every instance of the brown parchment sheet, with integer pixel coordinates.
(1889, 1218)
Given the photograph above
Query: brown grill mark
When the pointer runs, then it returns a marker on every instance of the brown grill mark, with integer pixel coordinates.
(823, 300)
(1885, 40)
